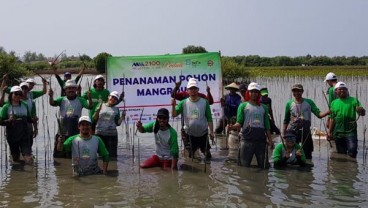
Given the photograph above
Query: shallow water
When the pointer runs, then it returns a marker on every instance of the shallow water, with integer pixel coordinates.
(335, 180)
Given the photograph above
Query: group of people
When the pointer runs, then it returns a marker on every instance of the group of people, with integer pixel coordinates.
(254, 121)
(83, 138)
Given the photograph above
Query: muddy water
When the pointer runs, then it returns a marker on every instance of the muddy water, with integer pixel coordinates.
(335, 180)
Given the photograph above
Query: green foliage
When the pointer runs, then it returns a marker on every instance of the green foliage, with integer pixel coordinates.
(100, 62)
(308, 60)
(194, 49)
(36, 65)
(85, 58)
(33, 56)
(309, 71)
(9, 64)
(232, 71)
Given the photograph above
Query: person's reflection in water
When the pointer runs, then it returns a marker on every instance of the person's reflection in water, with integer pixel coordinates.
(292, 186)
(343, 182)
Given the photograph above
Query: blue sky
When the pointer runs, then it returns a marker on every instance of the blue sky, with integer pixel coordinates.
(150, 27)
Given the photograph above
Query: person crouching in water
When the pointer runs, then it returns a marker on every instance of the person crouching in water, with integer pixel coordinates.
(85, 149)
(288, 153)
(166, 140)
(253, 118)
(107, 118)
(15, 116)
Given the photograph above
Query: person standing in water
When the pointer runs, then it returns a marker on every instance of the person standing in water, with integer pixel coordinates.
(252, 118)
(343, 122)
(14, 115)
(70, 110)
(197, 120)
(107, 118)
(298, 116)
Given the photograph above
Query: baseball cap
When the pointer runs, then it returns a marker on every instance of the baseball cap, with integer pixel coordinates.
(330, 76)
(70, 83)
(67, 74)
(290, 136)
(16, 89)
(99, 77)
(253, 86)
(30, 80)
(115, 94)
(84, 118)
(340, 85)
(163, 112)
(264, 91)
(192, 83)
(297, 87)
(24, 84)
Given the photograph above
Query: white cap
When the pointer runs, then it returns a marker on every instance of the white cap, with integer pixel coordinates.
(340, 85)
(330, 76)
(253, 86)
(30, 80)
(115, 94)
(16, 89)
(84, 118)
(98, 77)
(192, 83)
(70, 83)
(24, 84)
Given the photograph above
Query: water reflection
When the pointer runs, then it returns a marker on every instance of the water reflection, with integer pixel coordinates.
(333, 181)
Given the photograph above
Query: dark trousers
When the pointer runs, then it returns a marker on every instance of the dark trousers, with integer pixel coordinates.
(248, 148)
(347, 144)
(198, 142)
(305, 137)
(111, 143)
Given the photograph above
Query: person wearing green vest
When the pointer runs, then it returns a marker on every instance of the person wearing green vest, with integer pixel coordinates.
(343, 122)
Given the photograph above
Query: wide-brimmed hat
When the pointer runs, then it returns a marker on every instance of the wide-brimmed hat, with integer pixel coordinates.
(330, 76)
(253, 86)
(232, 86)
(192, 83)
(340, 85)
(70, 83)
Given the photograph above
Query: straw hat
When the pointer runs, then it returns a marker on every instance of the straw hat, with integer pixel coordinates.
(232, 86)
